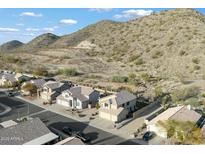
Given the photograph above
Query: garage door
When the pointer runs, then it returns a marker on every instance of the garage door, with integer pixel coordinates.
(113, 118)
(64, 103)
(61, 102)
(108, 116)
(105, 115)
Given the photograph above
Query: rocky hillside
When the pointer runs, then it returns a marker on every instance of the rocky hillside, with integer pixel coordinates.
(166, 44)
(10, 46)
(42, 41)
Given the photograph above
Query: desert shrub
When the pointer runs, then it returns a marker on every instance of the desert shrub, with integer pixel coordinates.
(157, 54)
(11, 59)
(97, 106)
(68, 72)
(147, 50)
(158, 92)
(125, 88)
(145, 77)
(197, 67)
(169, 43)
(133, 57)
(131, 76)
(40, 71)
(139, 61)
(195, 60)
(186, 93)
(182, 52)
(193, 102)
(120, 79)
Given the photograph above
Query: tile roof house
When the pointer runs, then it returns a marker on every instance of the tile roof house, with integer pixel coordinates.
(78, 97)
(31, 132)
(179, 113)
(116, 107)
(51, 89)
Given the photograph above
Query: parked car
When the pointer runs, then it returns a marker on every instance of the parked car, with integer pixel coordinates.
(67, 130)
(10, 94)
(85, 138)
(148, 135)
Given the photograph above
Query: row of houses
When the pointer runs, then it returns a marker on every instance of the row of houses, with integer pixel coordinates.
(10, 79)
(115, 107)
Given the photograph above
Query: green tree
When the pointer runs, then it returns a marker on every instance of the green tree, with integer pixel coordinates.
(29, 87)
(183, 132)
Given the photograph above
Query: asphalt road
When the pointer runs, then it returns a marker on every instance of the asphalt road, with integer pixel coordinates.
(20, 108)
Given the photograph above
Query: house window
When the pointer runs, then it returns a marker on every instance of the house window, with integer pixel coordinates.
(77, 103)
(128, 103)
(123, 105)
(110, 101)
(106, 105)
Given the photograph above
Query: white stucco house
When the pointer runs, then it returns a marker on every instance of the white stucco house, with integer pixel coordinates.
(78, 97)
(179, 113)
(116, 107)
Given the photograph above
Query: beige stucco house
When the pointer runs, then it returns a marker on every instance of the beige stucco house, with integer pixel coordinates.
(51, 90)
(179, 113)
(116, 107)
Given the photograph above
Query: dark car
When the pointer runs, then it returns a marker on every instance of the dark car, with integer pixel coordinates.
(148, 135)
(10, 94)
(85, 138)
(68, 131)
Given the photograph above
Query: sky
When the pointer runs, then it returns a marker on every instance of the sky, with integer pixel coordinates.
(26, 24)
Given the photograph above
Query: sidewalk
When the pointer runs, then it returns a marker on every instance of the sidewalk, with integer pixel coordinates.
(96, 122)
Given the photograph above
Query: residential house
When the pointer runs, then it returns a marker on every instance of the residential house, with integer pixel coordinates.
(179, 113)
(8, 79)
(117, 107)
(22, 77)
(51, 90)
(36, 82)
(78, 97)
(31, 132)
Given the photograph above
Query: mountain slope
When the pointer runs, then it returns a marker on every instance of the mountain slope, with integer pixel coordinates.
(158, 43)
(169, 44)
(10, 46)
(42, 41)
